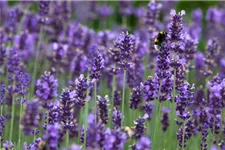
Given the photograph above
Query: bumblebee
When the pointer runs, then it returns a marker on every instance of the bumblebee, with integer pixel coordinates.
(160, 38)
(129, 131)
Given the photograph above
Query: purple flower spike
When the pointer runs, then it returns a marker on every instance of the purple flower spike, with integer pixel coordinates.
(135, 99)
(31, 117)
(114, 140)
(204, 132)
(46, 88)
(144, 144)
(22, 83)
(2, 52)
(117, 118)
(148, 109)
(80, 87)
(33, 146)
(8, 145)
(75, 147)
(97, 65)
(2, 125)
(148, 89)
(165, 118)
(82, 132)
(125, 8)
(103, 109)
(117, 98)
(67, 99)
(124, 47)
(139, 128)
(13, 61)
(176, 31)
(2, 94)
(44, 10)
(51, 136)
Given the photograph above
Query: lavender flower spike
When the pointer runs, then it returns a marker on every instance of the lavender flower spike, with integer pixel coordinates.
(103, 109)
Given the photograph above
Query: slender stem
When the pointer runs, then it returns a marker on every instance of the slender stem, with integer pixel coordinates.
(95, 101)
(34, 135)
(67, 138)
(112, 100)
(85, 116)
(173, 106)
(183, 135)
(12, 119)
(124, 21)
(36, 64)
(123, 98)
(21, 22)
(20, 126)
(158, 114)
(2, 133)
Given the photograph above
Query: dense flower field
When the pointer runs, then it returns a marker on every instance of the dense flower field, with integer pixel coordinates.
(111, 76)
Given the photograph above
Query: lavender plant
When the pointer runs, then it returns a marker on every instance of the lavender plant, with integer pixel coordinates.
(57, 58)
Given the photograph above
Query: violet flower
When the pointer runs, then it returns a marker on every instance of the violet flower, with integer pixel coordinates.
(51, 136)
(46, 88)
(117, 118)
(103, 109)
(33, 146)
(139, 128)
(31, 117)
(80, 86)
(13, 61)
(54, 114)
(82, 132)
(175, 35)
(8, 145)
(125, 8)
(150, 21)
(67, 99)
(148, 109)
(189, 131)
(2, 126)
(2, 51)
(22, 83)
(135, 98)
(2, 94)
(44, 10)
(75, 147)
(117, 98)
(213, 50)
(114, 140)
(165, 118)
(204, 132)
(144, 143)
(124, 47)
(95, 133)
(148, 89)
(97, 66)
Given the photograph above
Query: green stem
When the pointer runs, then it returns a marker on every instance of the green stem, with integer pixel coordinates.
(112, 100)
(2, 133)
(20, 126)
(67, 138)
(12, 119)
(123, 98)
(21, 22)
(173, 107)
(34, 138)
(158, 114)
(86, 116)
(183, 135)
(124, 21)
(95, 101)
(36, 64)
